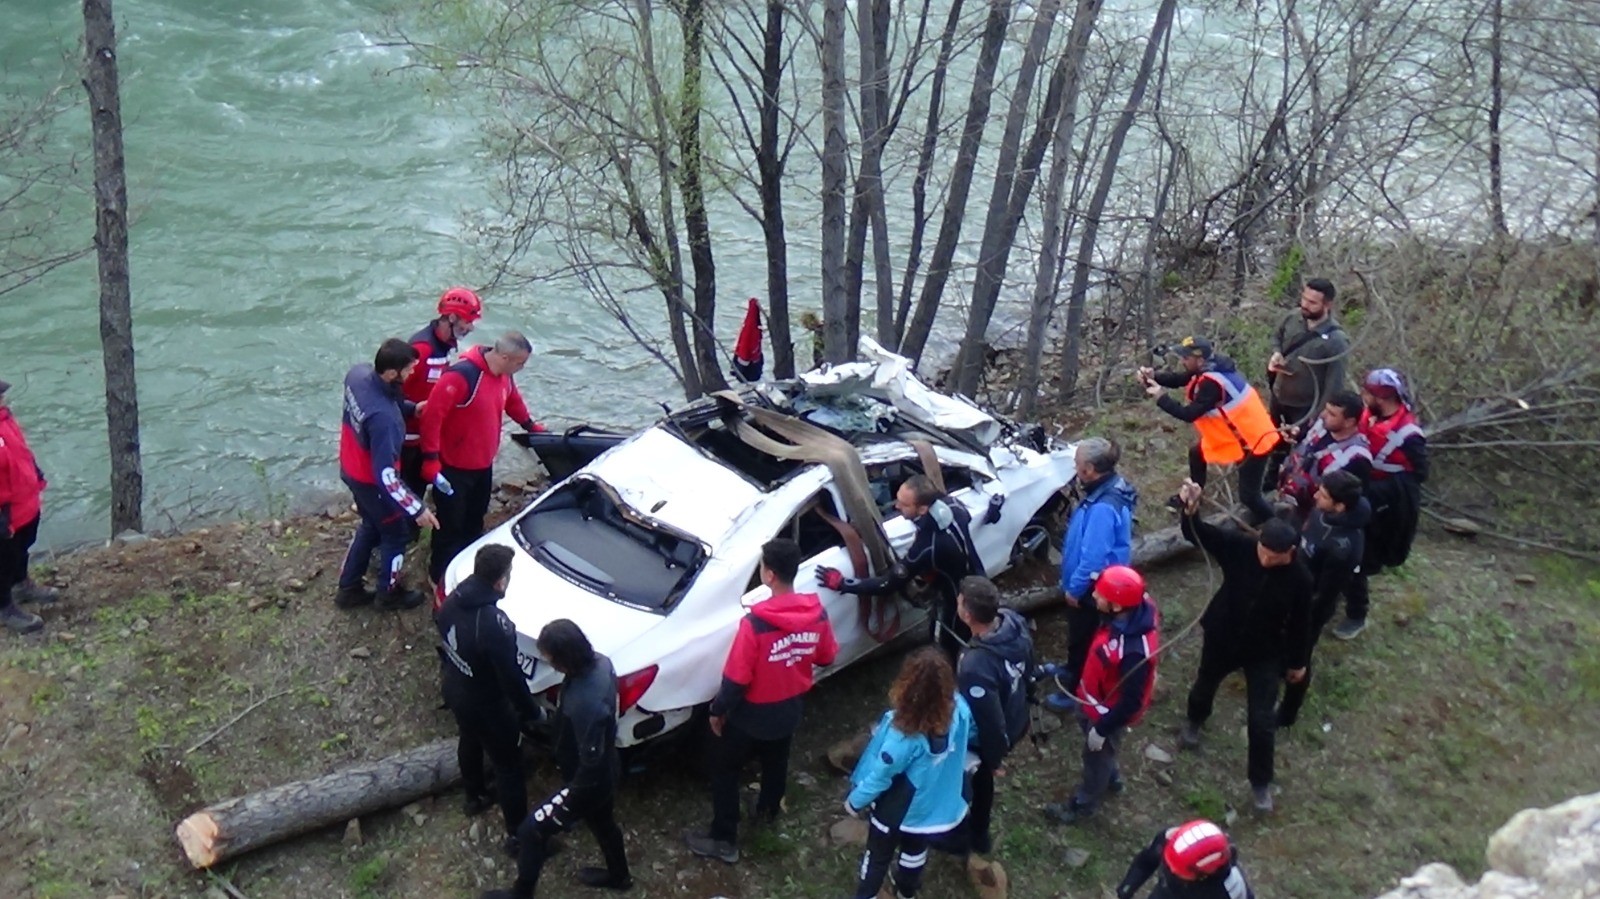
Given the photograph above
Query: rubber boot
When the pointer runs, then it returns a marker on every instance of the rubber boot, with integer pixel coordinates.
(20, 620)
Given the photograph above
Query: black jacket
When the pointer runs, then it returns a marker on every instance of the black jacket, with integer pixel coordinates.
(586, 735)
(1332, 545)
(1228, 883)
(478, 653)
(1258, 612)
(992, 674)
(941, 552)
(1207, 395)
(1396, 507)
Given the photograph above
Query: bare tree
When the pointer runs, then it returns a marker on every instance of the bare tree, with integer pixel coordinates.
(835, 183)
(39, 182)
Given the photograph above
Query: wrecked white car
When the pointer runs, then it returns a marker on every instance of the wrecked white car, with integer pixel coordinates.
(652, 547)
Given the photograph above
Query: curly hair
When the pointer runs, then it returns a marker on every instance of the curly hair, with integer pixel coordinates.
(923, 694)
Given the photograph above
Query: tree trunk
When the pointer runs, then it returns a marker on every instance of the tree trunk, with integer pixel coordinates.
(1044, 281)
(835, 299)
(867, 209)
(697, 227)
(955, 204)
(769, 164)
(919, 184)
(1155, 548)
(1097, 201)
(999, 225)
(229, 829)
(1497, 206)
(111, 244)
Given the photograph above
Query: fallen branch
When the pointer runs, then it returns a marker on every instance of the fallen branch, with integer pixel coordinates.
(247, 710)
(1524, 541)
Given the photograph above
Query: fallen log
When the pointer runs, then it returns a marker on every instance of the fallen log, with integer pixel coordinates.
(1148, 549)
(239, 825)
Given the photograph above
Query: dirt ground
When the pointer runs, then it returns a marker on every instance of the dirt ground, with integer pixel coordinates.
(1470, 697)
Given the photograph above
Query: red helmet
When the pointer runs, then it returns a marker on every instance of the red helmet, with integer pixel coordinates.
(1197, 849)
(1121, 586)
(461, 302)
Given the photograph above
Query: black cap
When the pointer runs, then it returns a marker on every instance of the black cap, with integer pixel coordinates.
(1279, 536)
(1195, 346)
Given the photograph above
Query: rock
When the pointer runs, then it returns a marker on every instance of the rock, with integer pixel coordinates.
(15, 733)
(513, 485)
(140, 625)
(379, 721)
(361, 652)
(258, 603)
(352, 832)
(805, 779)
(67, 637)
(1075, 858)
(1462, 527)
(192, 547)
(129, 537)
(844, 754)
(294, 585)
(475, 831)
(1526, 579)
(1156, 754)
(848, 832)
(1164, 778)
(233, 586)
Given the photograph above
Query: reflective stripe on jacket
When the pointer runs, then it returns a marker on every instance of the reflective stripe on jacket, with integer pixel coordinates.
(1238, 426)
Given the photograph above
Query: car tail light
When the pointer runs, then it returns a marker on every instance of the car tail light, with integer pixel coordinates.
(630, 687)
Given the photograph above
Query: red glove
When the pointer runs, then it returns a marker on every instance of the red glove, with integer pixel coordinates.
(430, 470)
(832, 578)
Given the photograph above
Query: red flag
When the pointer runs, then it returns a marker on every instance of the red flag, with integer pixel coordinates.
(747, 359)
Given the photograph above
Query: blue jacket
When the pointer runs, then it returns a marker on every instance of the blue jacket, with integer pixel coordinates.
(933, 772)
(1100, 533)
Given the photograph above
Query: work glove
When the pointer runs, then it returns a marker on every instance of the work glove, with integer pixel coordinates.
(442, 484)
(1095, 741)
(832, 578)
(430, 470)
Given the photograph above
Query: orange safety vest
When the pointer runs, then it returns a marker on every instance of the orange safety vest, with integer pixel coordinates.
(1239, 426)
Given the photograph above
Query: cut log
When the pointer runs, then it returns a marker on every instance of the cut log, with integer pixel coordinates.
(1149, 549)
(239, 825)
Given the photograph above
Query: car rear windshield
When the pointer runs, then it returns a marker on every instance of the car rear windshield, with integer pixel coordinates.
(585, 534)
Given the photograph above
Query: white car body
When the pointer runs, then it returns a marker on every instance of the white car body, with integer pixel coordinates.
(668, 482)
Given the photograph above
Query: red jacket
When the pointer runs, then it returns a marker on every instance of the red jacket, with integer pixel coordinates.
(433, 357)
(461, 424)
(1120, 672)
(21, 481)
(771, 664)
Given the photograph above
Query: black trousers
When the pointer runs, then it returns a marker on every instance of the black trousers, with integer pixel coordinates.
(411, 469)
(1358, 593)
(1283, 415)
(560, 812)
(383, 527)
(1082, 622)
(460, 516)
(882, 843)
(14, 558)
(1100, 768)
(492, 731)
(733, 749)
(1294, 695)
(1261, 676)
(981, 812)
(949, 632)
(1252, 470)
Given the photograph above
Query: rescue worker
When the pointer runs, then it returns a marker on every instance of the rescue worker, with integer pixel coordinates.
(1399, 469)
(1232, 423)
(992, 675)
(941, 554)
(1308, 362)
(1116, 686)
(484, 686)
(1333, 443)
(586, 753)
(459, 311)
(909, 781)
(370, 436)
(757, 711)
(1331, 543)
(1195, 861)
(460, 437)
(22, 486)
(1099, 534)
(1259, 620)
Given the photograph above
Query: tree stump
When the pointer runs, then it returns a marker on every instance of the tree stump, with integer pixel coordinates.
(239, 825)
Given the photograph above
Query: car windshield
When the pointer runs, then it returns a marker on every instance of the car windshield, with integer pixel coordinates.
(583, 532)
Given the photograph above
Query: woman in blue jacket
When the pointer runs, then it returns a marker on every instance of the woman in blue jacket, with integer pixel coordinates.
(911, 777)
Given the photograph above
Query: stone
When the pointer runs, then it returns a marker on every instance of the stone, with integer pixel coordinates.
(1164, 778)
(1075, 857)
(1527, 580)
(475, 831)
(848, 832)
(361, 652)
(258, 603)
(1462, 527)
(67, 637)
(379, 721)
(352, 832)
(1156, 754)
(140, 625)
(294, 585)
(130, 537)
(805, 779)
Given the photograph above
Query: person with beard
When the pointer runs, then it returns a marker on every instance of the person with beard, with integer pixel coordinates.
(1308, 361)
(1331, 542)
(484, 687)
(1258, 621)
(459, 311)
(1194, 861)
(1334, 443)
(1116, 686)
(1099, 534)
(1399, 469)
(1232, 423)
(586, 755)
(941, 554)
(370, 436)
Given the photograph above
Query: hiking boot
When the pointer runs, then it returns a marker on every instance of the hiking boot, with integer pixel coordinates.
(1189, 736)
(701, 844)
(1285, 719)
(1349, 628)
(511, 846)
(1069, 812)
(602, 879)
(1263, 798)
(476, 805)
(35, 592)
(1116, 786)
(1061, 703)
(354, 597)
(20, 620)
(399, 600)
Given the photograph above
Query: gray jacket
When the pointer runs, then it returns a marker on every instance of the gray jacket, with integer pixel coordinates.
(1309, 381)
